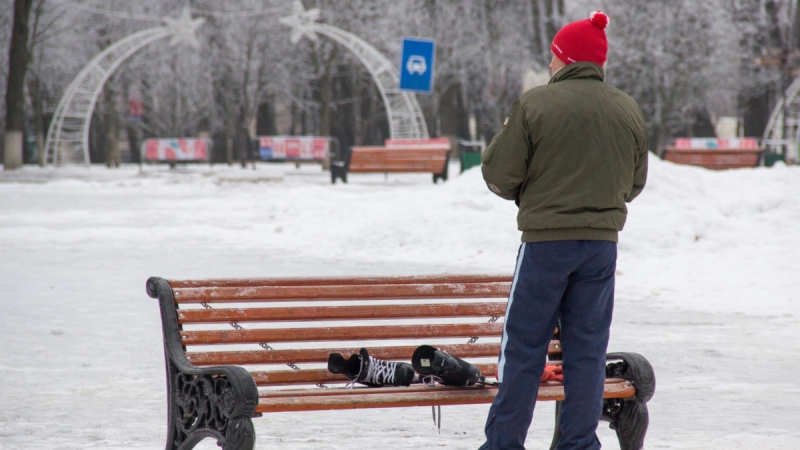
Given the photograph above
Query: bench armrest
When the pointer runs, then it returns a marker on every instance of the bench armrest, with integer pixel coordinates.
(216, 401)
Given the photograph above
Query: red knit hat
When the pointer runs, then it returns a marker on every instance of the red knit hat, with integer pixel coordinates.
(584, 40)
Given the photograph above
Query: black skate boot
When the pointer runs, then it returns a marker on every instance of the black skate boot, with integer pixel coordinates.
(443, 367)
(370, 371)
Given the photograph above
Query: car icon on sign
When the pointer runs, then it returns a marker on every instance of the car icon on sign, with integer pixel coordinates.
(416, 64)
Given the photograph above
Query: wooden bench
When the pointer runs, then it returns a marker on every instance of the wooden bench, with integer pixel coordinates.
(238, 348)
(714, 154)
(717, 159)
(394, 159)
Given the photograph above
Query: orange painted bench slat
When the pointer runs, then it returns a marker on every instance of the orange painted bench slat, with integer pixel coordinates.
(340, 281)
(320, 355)
(188, 316)
(346, 292)
(340, 333)
(314, 376)
(424, 396)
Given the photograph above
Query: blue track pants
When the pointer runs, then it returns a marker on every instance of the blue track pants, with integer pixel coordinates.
(568, 280)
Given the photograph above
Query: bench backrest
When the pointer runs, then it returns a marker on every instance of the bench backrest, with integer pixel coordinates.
(398, 159)
(716, 159)
(269, 324)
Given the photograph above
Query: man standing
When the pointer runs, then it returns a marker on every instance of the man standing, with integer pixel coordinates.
(571, 154)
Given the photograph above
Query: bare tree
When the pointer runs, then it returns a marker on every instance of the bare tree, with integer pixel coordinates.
(15, 92)
(6, 21)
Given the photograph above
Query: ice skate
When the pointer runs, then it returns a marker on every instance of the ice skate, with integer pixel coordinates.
(365, 369)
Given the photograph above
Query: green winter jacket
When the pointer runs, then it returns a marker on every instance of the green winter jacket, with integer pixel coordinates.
(571, 153)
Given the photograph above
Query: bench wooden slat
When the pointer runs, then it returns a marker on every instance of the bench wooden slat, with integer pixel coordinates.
(399, 157)
(399, 164)
(379, 149)
(405, 157)
(353, 292)
(313, 376)
(320, 355)
(425, 388)
(311, 313)
(399, 397)
(397, 161)
(394, 169)
(302, 376)
(388, 154)
(340, 281)
(340, 333)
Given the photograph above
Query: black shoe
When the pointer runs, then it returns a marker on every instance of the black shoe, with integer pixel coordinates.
(370, 371)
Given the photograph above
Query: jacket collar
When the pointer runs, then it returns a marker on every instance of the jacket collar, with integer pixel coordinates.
(579, 70)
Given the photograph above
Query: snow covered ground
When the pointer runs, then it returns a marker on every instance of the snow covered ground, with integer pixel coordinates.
(707, 291)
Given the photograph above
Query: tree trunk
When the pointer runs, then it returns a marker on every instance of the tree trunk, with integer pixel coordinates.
(112, 127)
(15, 104)
(325, 102)
(229, 132)
(34, 89)
(358, 126)
(243, 139)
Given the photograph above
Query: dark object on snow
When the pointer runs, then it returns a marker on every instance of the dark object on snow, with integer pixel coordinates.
(450, 370)
(370, 371)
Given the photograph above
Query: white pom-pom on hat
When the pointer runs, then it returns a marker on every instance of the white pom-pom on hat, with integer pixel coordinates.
(599, 19)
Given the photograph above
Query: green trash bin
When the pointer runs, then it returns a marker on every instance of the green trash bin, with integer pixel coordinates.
(771, 158)
(469, 153)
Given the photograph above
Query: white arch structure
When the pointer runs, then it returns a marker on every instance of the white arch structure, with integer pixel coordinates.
(405, 115)
(783, 128)
(68, 136)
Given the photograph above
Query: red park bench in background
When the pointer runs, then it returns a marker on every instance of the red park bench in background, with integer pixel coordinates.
(296, 149)
(713, 153)
(397, 155)
(240, 348)
(175, 151)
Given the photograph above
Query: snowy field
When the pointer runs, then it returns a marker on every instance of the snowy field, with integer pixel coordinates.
(707, 290)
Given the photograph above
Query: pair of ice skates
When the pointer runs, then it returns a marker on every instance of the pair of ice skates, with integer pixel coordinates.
(428, 364)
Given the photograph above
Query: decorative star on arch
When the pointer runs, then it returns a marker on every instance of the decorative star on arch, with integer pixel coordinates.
(302, 22)
(183, 28)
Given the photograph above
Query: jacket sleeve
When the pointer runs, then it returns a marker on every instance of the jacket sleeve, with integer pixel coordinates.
(505, 161)
(640, 162)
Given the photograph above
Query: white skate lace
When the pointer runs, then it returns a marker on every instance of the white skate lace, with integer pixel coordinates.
(380, 372)
(355, 380)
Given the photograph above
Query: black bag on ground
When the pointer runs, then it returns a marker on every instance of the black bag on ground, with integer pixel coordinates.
(448, 369)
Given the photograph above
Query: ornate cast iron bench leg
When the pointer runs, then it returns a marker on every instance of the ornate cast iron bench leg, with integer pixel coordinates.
(216, 402)
(208, 405)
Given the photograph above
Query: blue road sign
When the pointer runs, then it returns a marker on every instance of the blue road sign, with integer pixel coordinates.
(416, 65)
